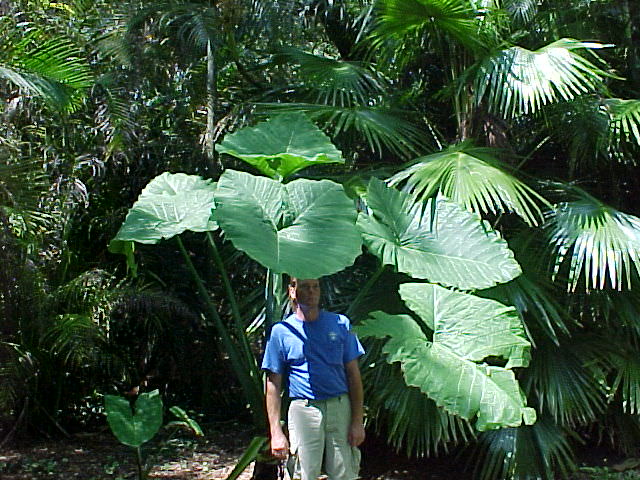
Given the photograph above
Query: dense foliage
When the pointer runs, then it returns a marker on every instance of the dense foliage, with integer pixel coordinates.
(510, 128)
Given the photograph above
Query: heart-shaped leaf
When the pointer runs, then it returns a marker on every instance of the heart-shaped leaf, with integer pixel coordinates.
(305, 228)
(455, 248)
(446, 368)
(170, 204)
(131, 428)
(281, 146)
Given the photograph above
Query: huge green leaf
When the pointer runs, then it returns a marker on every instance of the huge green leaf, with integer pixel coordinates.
(281, 146)
(131, 428)
(473, 178)
(447, 368)
(473, 327)
(305, 228)
(170, 204)
(455, 248)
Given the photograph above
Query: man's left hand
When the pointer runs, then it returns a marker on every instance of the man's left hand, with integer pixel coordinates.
(356, 434)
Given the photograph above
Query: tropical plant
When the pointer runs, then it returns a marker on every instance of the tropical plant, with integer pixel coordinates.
(135, 427)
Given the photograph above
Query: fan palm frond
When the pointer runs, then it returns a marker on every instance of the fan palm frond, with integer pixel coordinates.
(521, 11)
(535, 451)
(338, 82)
(379, 126)
(627, 380)
(625, 120)
(473, 178)
(595, 240)
(401, 18)
(573, 394)
(533, 293)
(517, 81)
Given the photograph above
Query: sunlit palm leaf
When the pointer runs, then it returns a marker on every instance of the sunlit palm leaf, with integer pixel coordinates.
(596, 241)
(537, 451)
(53, 69)
(456, 18)
(518, 81)
(627, 364)
(625, 120)
(473, 178)
(521, 11)
(380, 127)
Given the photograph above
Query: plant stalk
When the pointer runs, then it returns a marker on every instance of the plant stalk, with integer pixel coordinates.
(247, 371)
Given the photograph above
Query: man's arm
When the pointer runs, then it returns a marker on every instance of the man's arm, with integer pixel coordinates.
(279, 443)
(356, 397)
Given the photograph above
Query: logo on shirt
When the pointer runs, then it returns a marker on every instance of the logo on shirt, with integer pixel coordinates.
(333, 336)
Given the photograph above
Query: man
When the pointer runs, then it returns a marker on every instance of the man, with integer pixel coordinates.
(317, 355)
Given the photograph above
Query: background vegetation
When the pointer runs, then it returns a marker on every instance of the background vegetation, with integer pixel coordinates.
(525, 112)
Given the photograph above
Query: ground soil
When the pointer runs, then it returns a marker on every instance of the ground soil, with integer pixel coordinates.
(98, 456)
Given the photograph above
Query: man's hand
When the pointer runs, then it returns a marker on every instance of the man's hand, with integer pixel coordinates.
(279, 445)
(356, 434)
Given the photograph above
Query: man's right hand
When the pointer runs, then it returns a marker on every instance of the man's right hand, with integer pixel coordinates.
(279, 445)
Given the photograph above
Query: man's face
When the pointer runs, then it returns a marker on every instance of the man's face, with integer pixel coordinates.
(306, 292)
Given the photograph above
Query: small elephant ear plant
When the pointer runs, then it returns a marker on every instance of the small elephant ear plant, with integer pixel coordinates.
(136, 426)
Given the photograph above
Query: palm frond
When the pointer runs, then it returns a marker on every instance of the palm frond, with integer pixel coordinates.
(380, 127)
(517, 81)
(533, 294)
(50, 68)
(521, 11)
(574, 394)
(338, 82)
(473, 178)
(401, 18)
(535, 451)
(625, 120)
(627, 380)
(595, 240)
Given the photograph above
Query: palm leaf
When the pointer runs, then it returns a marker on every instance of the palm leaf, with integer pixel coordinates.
(50, 68)
(338, 82)
(625, 120)
(517, 81)
(536, 451)
(380, 127)
(400, 18)
(596, 241)
(574, 394)
(521, 11)
(473, 178)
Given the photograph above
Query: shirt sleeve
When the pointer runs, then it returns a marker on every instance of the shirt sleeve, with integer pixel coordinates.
(352, 348)
(273, 359)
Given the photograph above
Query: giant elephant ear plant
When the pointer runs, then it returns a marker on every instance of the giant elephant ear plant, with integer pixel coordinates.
(308, 228)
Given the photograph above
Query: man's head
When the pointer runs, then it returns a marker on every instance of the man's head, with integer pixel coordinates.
(304, 292)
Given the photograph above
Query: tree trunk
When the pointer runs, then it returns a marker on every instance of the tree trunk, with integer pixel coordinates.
(211, 110)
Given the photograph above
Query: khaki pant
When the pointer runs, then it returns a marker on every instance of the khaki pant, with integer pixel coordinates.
(318, 431)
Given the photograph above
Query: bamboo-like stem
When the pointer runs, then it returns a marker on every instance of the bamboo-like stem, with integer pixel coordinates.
(235, 310)
(247, 371)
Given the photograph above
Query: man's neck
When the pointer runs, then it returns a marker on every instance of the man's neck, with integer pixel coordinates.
(307, 314)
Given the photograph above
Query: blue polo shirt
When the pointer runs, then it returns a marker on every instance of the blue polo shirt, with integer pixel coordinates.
(311, 355)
